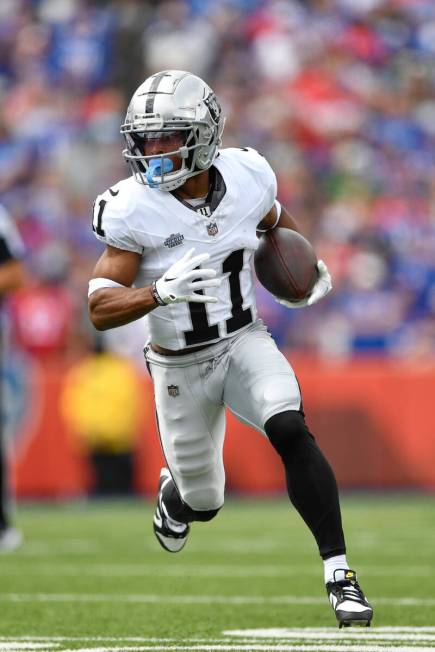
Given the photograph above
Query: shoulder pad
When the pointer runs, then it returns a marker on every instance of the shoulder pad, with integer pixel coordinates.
(259, 169)
(112, 214)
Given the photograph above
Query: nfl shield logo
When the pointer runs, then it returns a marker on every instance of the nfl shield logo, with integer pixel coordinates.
(212, 228)
(173, 390)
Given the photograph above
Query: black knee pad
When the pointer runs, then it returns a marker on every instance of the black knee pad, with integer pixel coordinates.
(286, 430)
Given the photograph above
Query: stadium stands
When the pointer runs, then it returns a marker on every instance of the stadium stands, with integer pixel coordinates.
(337, 94)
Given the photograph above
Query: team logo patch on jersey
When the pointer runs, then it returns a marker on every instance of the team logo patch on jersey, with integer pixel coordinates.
(212, 228)
(173, 390)
(174, 240)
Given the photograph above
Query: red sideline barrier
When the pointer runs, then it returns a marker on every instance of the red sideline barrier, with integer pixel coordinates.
(373, 419)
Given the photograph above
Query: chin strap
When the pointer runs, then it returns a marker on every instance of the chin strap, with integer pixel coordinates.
(155, 170)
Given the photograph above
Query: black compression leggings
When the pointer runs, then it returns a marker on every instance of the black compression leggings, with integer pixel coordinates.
(311, 483)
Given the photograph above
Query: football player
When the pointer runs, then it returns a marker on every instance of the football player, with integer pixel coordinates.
(11, 278)
(183, 230)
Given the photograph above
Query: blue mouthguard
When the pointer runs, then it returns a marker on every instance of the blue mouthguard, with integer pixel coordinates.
(155, 170)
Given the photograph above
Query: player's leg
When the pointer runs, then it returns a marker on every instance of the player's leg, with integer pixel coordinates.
(4, 517)
(262, 389)
(310, 480)
(312, 489)
(271, 402)
(10, 537)
(191, 427)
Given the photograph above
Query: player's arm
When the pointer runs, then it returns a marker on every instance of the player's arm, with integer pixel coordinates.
(115, 303)
(278, 216)
(112, 302)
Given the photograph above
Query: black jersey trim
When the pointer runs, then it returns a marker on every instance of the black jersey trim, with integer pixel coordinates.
(216, 193)
(151, 94)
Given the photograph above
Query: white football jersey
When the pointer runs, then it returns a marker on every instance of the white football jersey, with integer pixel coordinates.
(162, 228)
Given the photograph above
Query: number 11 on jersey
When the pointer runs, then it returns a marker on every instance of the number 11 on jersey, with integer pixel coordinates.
(202, 332)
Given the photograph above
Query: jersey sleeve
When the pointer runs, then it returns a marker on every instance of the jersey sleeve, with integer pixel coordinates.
(263, 174)
(110, 223)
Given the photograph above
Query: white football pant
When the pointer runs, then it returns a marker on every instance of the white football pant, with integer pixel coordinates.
(247, 374)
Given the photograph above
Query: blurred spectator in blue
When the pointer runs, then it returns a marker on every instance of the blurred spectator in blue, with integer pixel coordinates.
(337, 94)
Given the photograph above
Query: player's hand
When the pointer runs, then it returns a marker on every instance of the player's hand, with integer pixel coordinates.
(177, 284)
(322, 286)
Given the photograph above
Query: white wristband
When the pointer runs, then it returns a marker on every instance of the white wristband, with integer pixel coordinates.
(278, 215)
(98, 283)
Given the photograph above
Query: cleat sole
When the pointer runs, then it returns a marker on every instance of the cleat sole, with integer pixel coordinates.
(354, 623)
(171, 543)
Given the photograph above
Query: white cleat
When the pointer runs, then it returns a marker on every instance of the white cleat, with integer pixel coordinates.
(348, 601)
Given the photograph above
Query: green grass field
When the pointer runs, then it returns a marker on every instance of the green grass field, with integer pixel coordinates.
(92, 577)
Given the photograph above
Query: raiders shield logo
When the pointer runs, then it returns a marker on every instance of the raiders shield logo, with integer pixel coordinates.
(213, 106)
(173, 390)
(212, 228)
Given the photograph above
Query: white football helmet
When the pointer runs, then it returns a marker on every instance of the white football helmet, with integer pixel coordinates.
(172, 101)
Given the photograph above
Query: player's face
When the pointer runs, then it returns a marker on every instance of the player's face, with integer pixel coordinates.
(163, 142)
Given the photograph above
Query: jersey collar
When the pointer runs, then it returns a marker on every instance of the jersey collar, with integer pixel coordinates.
(216, 193)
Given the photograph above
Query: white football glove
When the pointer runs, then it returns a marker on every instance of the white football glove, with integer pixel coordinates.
(322, 286)
(176, 284)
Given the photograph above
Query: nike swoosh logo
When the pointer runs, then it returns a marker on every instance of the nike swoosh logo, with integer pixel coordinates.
(170, 279)
(113, 193)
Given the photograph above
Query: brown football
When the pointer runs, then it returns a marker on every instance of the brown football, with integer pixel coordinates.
(286, 264)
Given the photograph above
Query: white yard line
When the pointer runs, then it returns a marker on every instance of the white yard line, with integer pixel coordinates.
(367, 641)
(370, 634)
(102, 639)
(198, 599)
(52, 640)
(252, 647)
(271, 632)
(392, 628)
(141, 639)
(18, 645)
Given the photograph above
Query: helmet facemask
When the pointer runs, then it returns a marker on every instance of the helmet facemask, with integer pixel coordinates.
(152, 169)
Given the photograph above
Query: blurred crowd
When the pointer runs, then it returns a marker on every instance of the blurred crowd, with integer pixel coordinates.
(337, 94)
